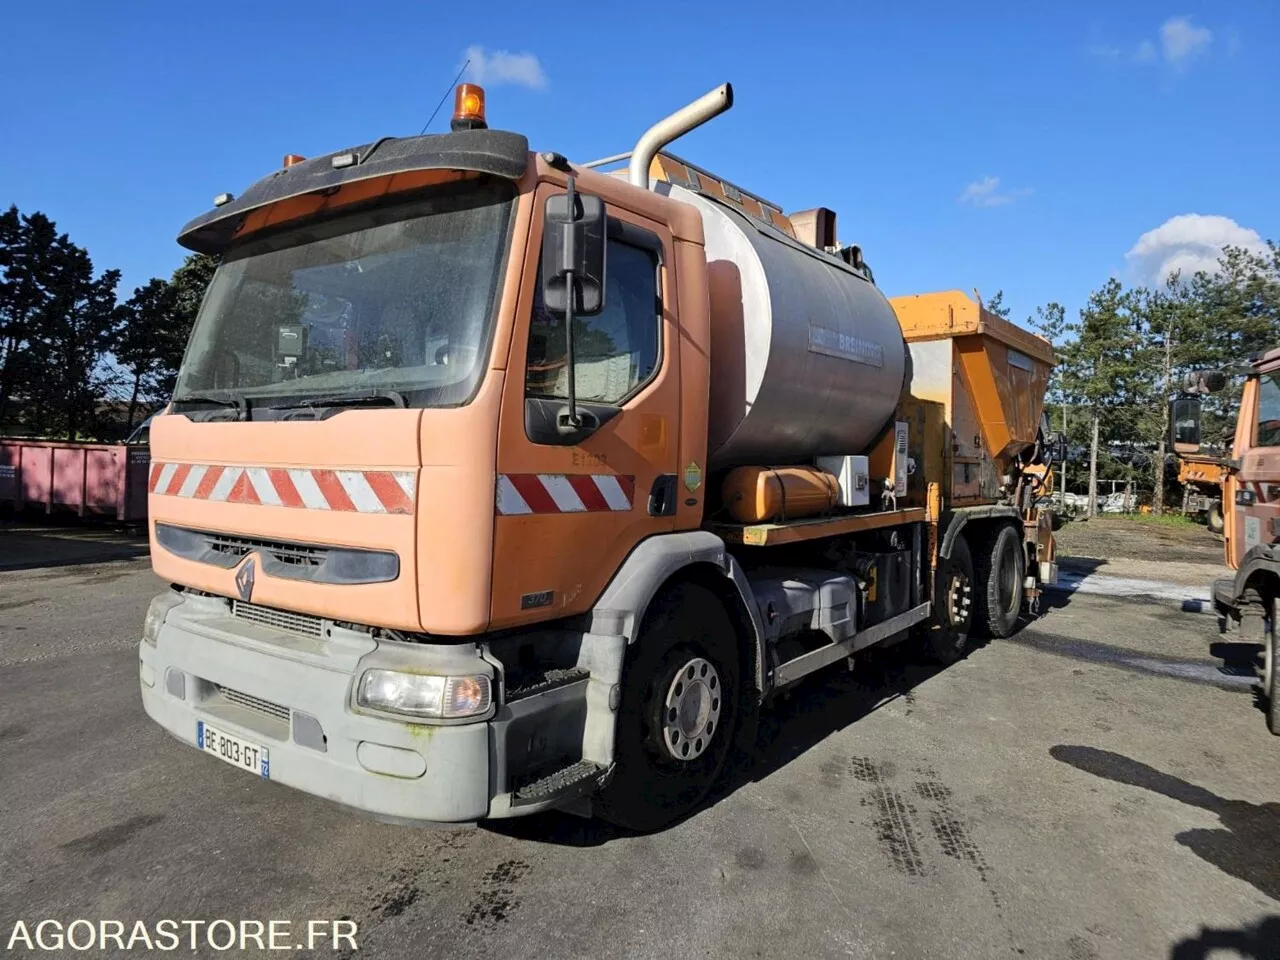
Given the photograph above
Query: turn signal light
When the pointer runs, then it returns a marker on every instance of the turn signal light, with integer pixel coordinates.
(291, 158)
(468, 107)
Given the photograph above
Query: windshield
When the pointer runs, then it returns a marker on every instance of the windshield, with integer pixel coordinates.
(392, 299)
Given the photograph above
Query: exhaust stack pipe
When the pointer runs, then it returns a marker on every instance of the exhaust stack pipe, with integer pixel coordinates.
(677, 125)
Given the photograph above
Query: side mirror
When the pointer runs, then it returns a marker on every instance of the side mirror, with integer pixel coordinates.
(573, 243)
(1057, 443)
(1204, 381)
(1184, 424)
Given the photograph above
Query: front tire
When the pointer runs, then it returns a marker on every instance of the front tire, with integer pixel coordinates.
(682, 699)
(1213, 518)
(1000, 570)
(948, 637)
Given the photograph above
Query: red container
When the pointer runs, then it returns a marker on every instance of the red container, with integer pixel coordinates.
(90, 478)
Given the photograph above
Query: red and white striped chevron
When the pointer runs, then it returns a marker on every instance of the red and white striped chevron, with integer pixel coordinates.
(347, 491)
(525, 493)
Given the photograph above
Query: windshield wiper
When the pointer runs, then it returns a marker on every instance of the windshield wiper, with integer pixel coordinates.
(240, 403)
(372, 398)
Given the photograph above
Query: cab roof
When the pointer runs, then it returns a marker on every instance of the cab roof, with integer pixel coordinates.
(496, 152)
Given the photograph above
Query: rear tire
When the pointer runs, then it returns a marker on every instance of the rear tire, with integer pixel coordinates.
(999, 573)
(1213, 518)
(948, 638)
(682, 699)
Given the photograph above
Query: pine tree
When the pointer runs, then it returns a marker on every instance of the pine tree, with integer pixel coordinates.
(1103, 369)
(142, 348)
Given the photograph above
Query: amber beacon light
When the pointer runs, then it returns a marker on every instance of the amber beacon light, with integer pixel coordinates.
(468, 108)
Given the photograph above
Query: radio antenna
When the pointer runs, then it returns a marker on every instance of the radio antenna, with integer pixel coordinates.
(445, 97)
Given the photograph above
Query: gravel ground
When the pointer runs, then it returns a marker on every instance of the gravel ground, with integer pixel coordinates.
(1114, 538)
(1100, 786)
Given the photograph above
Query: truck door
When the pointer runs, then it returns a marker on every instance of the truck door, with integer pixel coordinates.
(568, 515)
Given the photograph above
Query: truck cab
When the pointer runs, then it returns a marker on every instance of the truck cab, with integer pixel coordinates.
(1251, 509)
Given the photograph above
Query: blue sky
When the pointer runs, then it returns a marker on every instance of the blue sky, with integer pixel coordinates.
(1023, 146)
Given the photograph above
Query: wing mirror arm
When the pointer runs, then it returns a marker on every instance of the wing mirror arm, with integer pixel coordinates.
(573, 282)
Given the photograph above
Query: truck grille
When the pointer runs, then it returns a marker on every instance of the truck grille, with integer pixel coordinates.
(293, 554)
(302, 623)
(256, 704)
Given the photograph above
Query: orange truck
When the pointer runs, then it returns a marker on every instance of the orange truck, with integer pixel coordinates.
(1201, 476)
(494, 483)
(1249, 601)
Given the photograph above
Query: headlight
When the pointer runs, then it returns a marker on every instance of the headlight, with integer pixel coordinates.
(159, 609)
(424, 696)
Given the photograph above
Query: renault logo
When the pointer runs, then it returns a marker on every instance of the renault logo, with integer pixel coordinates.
(244, 580)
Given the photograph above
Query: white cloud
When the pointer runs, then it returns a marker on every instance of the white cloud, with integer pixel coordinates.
(1188, 243)
(496, 67)
(987, 193)
(1181, 40)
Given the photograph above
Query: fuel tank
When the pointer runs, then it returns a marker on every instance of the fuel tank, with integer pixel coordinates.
(766, 494)
(807, 357)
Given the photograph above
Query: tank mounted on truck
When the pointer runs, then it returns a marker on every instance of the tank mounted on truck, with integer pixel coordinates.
(494, 483)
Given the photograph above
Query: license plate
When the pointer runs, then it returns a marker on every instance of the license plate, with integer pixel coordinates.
(234, 750)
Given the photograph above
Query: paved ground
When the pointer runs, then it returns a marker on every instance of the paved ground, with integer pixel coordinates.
(1101, 786)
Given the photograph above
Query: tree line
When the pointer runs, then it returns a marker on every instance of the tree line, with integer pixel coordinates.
(1122, 358)
(76, 361)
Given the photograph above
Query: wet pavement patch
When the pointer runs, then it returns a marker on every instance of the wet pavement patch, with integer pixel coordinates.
(496, 898)
(1193, 671)
(109, 838)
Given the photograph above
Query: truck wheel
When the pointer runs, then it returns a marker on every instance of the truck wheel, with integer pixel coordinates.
(1271, 671)
(948, 638)
(1214, 517)
(680, 707)
(999, 573)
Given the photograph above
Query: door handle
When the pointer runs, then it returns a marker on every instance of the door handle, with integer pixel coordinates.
(662, 496)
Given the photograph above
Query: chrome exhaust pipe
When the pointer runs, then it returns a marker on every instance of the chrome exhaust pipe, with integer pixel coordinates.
(677, 125)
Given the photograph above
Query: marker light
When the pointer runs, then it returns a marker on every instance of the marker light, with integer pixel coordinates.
(468, 108)
(291, 158)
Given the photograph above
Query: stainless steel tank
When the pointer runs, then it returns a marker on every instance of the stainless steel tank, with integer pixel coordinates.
(807, 357)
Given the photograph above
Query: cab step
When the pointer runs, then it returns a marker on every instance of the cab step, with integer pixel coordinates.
(571, 781)
(546, 680)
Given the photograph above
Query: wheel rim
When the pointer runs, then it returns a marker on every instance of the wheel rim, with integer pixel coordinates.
(691, 710)
(959, 599)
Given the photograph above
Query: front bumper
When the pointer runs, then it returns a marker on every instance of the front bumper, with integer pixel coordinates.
(291, 693)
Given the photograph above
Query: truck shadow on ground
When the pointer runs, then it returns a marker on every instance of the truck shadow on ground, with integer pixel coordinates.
(33, 543)
(1242, 659)
(816, 708)
(1070, 569)
(1257, 941)
(1247, 846)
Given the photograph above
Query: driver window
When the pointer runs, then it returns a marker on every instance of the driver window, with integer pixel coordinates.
(1268, 432)
(616, 351)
